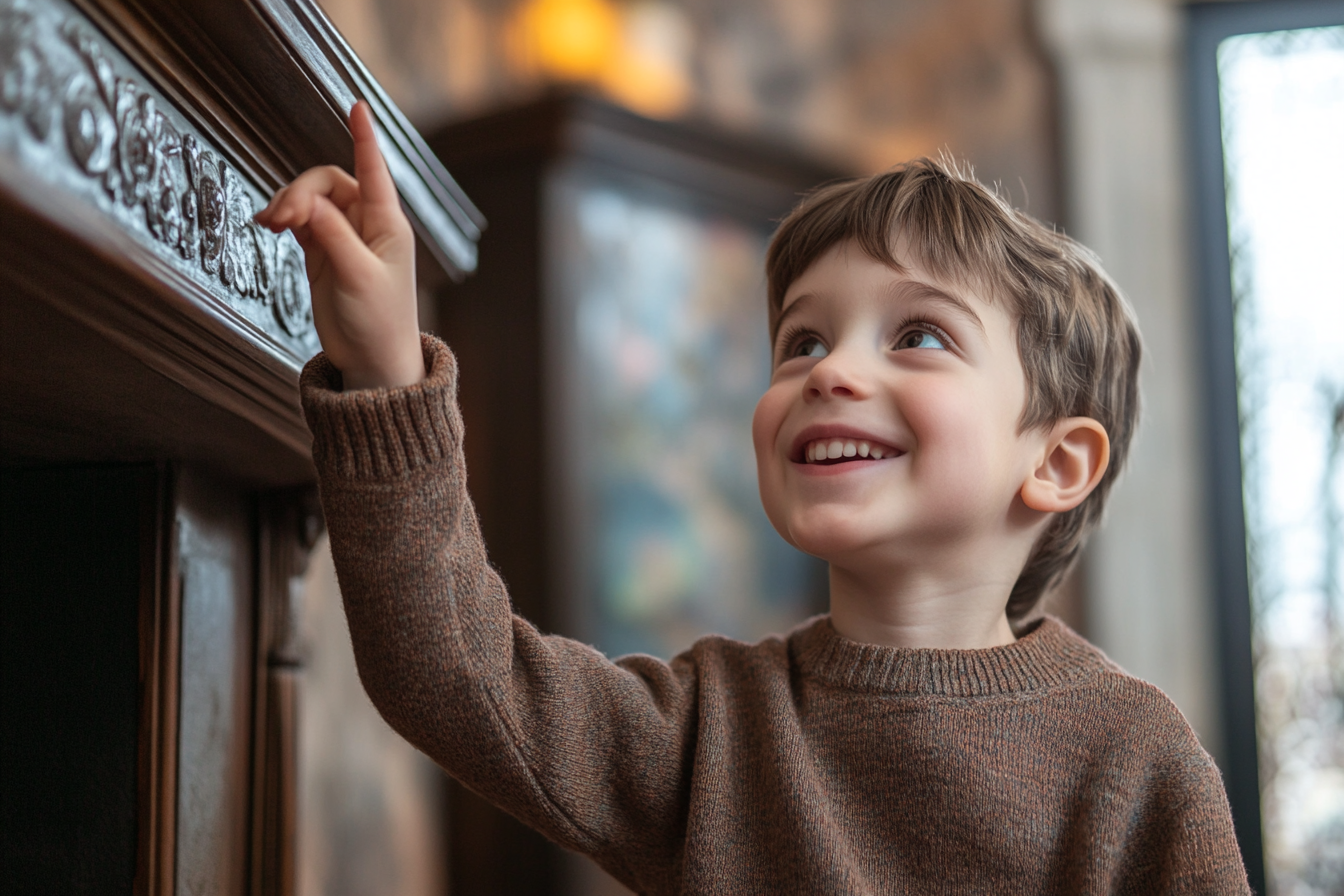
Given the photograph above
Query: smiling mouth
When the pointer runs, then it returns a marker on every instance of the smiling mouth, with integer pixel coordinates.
(838, 451)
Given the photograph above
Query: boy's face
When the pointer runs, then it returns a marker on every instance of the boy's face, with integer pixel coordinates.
(920, 375)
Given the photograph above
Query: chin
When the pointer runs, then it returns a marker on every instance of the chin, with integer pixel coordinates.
(826, 532)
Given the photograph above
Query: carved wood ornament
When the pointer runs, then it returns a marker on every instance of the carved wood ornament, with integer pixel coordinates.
(137, 138)
(77, 118)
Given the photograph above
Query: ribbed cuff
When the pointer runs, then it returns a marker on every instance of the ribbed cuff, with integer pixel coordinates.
(375, 434)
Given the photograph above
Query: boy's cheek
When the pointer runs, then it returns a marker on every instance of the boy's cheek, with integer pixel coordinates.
(932, 406)
(765, 424)
(770, 483)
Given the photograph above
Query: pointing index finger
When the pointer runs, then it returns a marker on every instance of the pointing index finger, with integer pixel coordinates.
(375, 181)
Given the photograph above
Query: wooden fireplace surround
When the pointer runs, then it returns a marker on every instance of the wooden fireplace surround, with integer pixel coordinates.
(151, 334)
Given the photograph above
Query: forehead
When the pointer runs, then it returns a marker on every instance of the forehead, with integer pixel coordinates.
(846, 268)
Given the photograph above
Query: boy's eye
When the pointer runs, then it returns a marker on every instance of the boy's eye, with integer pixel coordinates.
(919, 339)
(810, 347)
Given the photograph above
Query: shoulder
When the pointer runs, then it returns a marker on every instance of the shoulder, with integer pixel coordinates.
(1150, 775)
(1134, 718)
(730, 658)
(1130, 701)
(719, 664)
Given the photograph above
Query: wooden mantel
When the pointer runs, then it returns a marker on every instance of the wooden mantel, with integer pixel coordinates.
(145, 315)
(158, 506)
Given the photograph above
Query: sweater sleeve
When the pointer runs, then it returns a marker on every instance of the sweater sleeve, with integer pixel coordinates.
(592, 753)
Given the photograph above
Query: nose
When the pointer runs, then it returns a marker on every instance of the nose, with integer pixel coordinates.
(838, 375)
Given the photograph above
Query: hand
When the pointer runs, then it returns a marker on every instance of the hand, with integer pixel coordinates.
(360, 254)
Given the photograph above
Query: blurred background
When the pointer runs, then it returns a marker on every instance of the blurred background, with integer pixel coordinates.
(632, 157)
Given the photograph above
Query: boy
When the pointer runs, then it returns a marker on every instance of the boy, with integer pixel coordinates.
(954, 388)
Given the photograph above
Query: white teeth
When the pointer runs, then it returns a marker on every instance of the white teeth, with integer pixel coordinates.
(833, 449)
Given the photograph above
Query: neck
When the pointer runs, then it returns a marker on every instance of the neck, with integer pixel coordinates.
(913, 607)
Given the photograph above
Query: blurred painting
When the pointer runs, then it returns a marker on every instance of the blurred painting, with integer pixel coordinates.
(663, 352)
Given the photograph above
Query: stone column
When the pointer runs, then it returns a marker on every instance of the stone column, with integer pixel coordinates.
(1121, 70)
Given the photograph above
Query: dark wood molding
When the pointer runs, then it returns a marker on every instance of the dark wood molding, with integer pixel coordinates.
(739, 173)
(289, 523)
(275, 824)
(441, 211)
(85, 127)
(160, 625)
(119, 356)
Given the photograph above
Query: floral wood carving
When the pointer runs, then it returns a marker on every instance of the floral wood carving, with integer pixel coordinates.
(61, 87)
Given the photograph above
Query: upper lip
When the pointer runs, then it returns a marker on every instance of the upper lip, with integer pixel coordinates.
(818, 431)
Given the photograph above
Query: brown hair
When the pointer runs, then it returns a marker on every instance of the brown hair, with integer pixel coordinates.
(1076, 335)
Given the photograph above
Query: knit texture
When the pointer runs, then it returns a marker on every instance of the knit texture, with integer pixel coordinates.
(805, 763)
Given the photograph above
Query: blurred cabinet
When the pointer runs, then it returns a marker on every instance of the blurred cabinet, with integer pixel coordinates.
(612, 348)
(156, 487)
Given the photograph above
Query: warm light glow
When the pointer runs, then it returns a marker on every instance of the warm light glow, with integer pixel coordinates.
(569, 40)
(637, 53)
(649, 72)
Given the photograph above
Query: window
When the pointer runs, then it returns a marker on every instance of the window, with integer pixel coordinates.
(1275, 307)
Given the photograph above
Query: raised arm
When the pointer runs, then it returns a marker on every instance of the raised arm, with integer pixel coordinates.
(594, 754)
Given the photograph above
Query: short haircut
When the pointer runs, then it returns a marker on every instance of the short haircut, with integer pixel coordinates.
(1076, 334)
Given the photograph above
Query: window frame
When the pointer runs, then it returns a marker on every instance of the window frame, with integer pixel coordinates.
(1208, 25)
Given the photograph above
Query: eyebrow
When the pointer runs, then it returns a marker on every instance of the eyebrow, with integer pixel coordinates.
(784, 314)
(919, 291)
(911, 290)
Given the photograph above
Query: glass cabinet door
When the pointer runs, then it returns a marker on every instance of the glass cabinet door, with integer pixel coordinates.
(659, 351)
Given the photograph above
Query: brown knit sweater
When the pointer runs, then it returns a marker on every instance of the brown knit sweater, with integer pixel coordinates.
(802, 764)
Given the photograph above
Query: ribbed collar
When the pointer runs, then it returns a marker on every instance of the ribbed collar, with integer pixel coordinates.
(1050, 654)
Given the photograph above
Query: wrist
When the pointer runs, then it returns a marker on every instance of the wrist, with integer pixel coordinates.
(405, 370)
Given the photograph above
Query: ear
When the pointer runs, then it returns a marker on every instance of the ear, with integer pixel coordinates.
(1076, 453)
